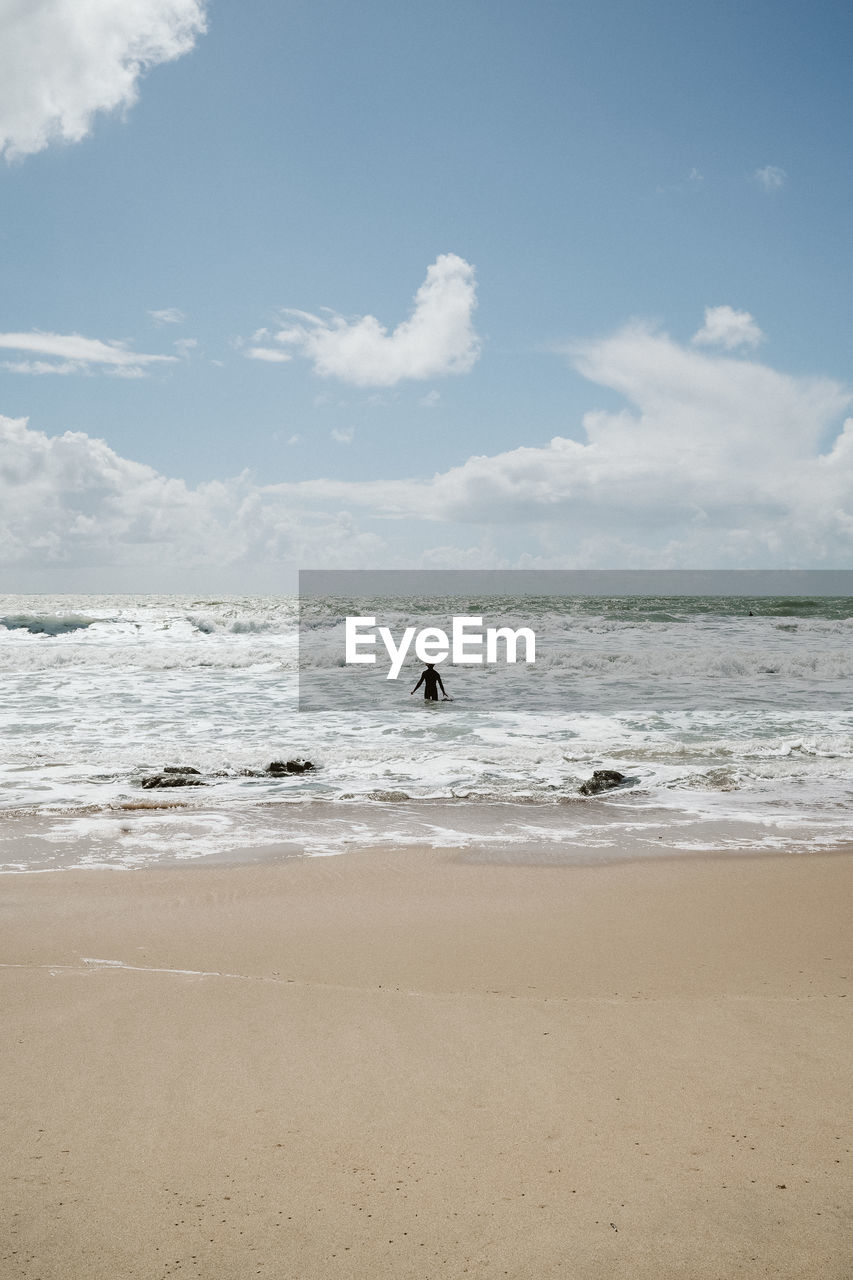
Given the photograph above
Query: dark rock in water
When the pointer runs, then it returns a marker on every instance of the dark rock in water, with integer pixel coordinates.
(601, 780)
(280, 767)
(173, 775)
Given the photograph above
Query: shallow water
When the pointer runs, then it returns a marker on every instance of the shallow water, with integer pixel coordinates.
(733, 732)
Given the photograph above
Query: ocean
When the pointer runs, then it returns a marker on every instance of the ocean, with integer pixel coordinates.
(730, 719)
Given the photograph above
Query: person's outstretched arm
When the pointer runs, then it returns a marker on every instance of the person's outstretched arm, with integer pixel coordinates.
(418, 685)
(443, 690)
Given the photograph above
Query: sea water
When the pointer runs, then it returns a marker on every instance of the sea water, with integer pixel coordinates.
(730, 719)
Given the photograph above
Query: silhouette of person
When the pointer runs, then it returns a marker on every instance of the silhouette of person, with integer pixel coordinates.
(431, 681)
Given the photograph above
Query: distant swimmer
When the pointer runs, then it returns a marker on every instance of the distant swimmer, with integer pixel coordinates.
(431, 681)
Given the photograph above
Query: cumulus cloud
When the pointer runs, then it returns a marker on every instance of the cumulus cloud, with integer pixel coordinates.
(725, 327)
(771, 177)
(71, 504)
(438, 337)
(714, 462)
(63, 61)
(64, 353)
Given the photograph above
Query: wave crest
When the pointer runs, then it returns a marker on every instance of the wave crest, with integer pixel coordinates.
(48, 624)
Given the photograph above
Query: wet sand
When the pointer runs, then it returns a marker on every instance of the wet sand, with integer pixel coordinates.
(407, 1065)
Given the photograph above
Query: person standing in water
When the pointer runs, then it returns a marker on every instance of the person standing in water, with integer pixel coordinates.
(431, 681)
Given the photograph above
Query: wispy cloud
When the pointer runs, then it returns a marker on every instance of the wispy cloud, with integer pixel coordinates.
(694, 181)
(274, 355)
(169, 315)
(727, 328)
(39, 367)
(342, 435)
(771, 177)
(72, 353)
(438, 337)
(61, 62)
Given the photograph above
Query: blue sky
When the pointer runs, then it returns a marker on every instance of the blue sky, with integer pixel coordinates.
(629, 223)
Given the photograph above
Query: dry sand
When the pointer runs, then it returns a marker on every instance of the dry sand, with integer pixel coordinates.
(410, 1066)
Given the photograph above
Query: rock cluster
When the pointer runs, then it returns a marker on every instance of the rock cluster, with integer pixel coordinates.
(174, 775)
(177, 775)
(601, 780)
(278, 767)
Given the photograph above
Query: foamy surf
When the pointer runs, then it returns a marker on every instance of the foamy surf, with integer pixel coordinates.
(733, 732)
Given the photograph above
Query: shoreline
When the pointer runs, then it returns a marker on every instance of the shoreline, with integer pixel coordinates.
(407, 1063)
(273, 855)
(574, 831)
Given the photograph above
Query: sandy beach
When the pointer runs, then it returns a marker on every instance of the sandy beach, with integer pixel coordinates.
(414, 1065)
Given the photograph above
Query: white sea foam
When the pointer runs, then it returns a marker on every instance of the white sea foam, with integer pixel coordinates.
(728, 723)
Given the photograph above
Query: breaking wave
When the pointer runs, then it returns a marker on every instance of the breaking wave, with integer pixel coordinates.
(712, 715)
(49, 624)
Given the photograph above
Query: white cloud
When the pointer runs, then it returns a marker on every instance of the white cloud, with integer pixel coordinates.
(169, 315)
(727, 328)
(438, 337)
(72, 353)
(185, 347)
(62, 61)
(714, 462)
(771, 177)
(71, 507)
(40, 366)
(717, 462)
(342, 435)
(272, 354)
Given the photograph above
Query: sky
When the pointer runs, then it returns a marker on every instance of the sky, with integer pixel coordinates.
(468, 284)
